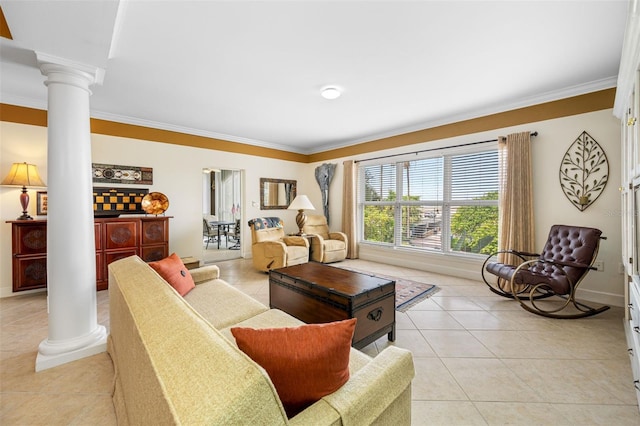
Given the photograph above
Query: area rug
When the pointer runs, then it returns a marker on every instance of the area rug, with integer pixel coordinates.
(408, 293)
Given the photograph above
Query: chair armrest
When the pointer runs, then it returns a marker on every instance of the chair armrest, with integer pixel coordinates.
(315, 239)
(205, 273)
(521, 253)
(373, 388)
(570, 264)
(270, 245)
(296, 241)
(338, 236)
(269, 255)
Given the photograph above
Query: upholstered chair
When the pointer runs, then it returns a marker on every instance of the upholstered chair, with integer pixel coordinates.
(208, 233)
(271, 248)
(326, 246)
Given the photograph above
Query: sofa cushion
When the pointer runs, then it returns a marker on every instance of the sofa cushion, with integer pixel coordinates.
(269, 319)
(175, 273)
(222, 304)
(277, 318)
(304, 363)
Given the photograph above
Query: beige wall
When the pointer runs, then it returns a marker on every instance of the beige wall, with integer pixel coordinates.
(551, 206)
(177, 173)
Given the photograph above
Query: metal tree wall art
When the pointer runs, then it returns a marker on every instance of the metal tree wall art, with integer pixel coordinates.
(584, 171)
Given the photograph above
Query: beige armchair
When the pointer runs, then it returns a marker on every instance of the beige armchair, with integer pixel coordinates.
(326, 247)
(270, 247)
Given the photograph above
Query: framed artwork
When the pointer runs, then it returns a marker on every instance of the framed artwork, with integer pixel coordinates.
(111, 173)
(112, 202)
(41, 203)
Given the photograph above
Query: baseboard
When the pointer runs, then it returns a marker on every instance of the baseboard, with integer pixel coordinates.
(600, 297)
(455, 266)
(8, 292)
(461, 267)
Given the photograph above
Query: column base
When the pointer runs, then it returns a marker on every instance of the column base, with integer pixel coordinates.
(53, 354)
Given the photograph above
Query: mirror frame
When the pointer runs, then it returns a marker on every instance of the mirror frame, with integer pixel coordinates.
(264, 181)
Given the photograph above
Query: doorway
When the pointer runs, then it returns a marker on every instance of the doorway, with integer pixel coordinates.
(221, 214)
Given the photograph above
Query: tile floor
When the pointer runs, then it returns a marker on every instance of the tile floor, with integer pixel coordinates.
(479, 360)
(213, 254)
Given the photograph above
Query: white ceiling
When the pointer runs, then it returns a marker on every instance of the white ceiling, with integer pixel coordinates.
(252, 71)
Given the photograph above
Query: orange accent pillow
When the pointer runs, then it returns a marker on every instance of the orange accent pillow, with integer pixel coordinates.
(175, 273)
(304, 363)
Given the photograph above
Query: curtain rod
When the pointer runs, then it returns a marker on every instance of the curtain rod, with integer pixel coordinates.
(433, 149)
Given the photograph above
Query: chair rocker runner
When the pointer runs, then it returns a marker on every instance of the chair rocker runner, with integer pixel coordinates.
(566, 259)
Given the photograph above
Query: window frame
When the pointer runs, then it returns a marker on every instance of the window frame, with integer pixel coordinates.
(446, 203)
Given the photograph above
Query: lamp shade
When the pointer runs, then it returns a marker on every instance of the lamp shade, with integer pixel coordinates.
(301, 202)
(23, 174)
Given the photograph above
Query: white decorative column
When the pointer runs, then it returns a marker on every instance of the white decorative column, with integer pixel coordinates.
(74, 332)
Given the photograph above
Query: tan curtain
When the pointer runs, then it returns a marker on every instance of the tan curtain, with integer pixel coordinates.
(350, 208)
(515, 223)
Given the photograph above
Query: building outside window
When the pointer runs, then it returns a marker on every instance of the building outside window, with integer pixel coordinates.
(449, 202)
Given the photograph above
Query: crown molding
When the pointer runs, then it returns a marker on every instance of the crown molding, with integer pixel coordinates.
(191, 131)
(630, 59)
(534, 109)
(568, 92)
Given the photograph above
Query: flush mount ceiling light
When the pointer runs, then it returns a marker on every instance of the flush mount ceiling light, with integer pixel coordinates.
(330, 93)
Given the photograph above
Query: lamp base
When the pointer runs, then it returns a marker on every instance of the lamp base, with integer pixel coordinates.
(24, 202)
(25, 216)
(301, 219)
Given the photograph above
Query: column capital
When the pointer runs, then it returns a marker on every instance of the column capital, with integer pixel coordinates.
(62, 70)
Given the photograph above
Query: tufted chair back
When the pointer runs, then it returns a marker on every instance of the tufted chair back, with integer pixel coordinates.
(566, 245)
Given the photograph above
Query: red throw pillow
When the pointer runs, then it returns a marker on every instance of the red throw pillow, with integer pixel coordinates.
(304, 363)
(175, 273)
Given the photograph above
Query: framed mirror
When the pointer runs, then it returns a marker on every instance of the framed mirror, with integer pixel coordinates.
(276, 193)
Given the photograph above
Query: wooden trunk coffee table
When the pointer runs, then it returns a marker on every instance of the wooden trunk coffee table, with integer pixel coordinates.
(318, 293)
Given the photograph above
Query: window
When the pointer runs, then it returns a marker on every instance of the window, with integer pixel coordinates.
(449, 203)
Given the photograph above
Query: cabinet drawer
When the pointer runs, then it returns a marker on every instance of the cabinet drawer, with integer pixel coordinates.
(120, 254)
(634, 309)
(153, 253)
(120, 235)
(30, 239)
(634, 353)
(29, 273)
(155, 231)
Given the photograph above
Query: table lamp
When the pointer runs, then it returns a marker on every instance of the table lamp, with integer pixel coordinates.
(23, 174)
(300, 203)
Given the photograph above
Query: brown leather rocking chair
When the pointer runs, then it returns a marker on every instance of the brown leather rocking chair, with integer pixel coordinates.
(566, 259)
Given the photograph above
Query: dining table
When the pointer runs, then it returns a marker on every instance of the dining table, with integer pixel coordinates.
(224, 226)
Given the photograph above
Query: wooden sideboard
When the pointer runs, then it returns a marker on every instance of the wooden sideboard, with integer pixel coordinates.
(145, 236)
